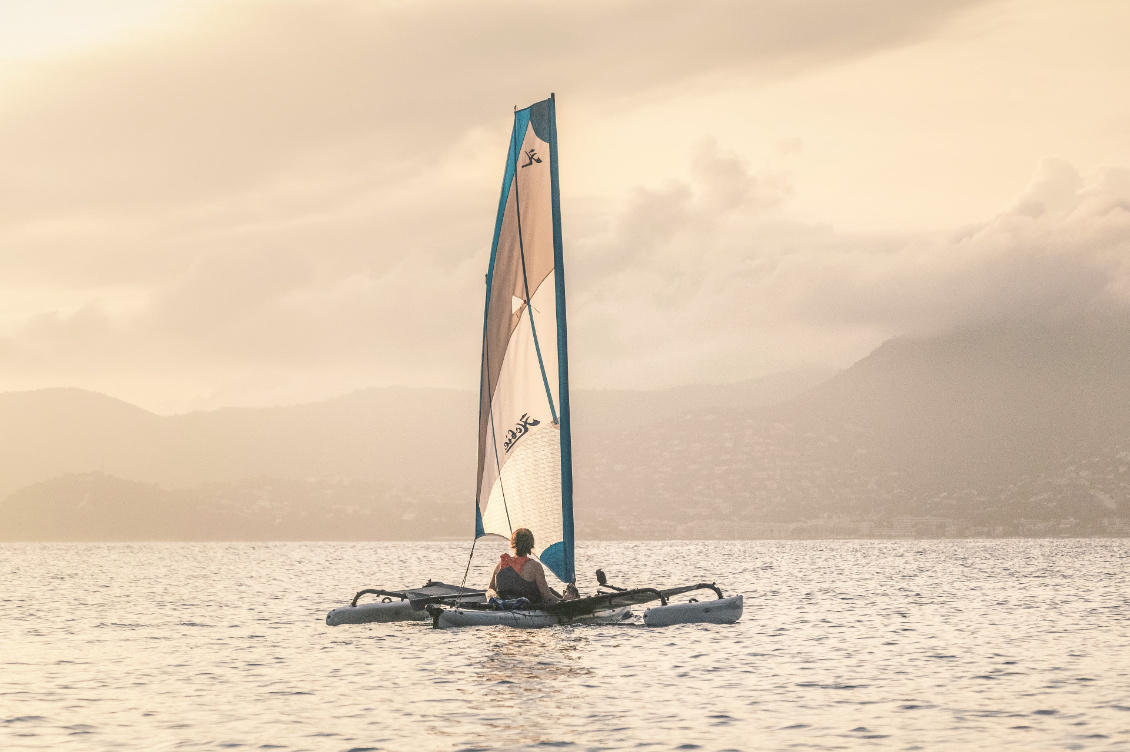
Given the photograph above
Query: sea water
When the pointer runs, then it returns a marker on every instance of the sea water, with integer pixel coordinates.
(957, 645)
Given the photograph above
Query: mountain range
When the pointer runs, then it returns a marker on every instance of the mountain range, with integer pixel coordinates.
(377, 463)
(1011, 428)
(1018, 427)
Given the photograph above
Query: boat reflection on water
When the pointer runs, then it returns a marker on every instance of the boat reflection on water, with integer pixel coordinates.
(531, 656)
(527, 676)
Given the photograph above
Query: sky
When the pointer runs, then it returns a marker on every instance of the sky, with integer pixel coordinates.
(251, 203)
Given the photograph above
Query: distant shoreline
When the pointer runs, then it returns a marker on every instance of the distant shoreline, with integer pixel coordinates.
(580, 542)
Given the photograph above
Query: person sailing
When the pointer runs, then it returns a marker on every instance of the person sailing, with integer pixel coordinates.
(518, 576)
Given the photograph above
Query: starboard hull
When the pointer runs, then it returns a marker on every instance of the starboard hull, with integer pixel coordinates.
(720, 611)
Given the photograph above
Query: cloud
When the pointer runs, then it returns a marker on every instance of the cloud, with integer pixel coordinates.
(212, 339)
(1054, 188)
(285, 200)
(255, 97)
(702, 278)
(690, 283)
(222, 291)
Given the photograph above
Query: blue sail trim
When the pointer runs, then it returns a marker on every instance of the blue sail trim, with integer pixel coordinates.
(554, 558)
(568, 572)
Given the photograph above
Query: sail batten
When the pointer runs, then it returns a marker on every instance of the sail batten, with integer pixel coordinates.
(525, 471)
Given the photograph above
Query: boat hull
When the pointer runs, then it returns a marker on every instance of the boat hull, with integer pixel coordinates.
(534, 619)
(720, 611)
(368, 613)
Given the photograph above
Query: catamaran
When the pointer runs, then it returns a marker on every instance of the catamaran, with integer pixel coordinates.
(525, 461)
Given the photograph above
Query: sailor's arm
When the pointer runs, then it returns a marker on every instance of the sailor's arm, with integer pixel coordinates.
(492, 591)
(547, 595)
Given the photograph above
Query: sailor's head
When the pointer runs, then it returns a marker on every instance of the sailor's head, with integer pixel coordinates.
(522, 541)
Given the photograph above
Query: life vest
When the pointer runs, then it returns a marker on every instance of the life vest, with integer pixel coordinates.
(509, 583)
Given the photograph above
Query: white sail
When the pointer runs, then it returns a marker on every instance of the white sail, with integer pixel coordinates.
(525, 470)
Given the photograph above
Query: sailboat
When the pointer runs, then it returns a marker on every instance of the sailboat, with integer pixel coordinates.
(525, 472)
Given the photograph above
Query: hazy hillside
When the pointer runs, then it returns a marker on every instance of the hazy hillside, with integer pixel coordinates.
(387, 435)
(396, 436)
(1018, 427)
(596, 410)
(54, 431)
(982, 405)
(403, 447)
(97, 507)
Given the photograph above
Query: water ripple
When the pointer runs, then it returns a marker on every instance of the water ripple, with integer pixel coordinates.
(1006, 644)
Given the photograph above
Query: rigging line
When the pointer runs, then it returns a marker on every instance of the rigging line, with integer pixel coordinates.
(526, 283)
(468, 569)
(493, 436)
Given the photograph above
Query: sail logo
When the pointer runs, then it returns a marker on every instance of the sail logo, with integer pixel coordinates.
(531, 157)
(518, 431)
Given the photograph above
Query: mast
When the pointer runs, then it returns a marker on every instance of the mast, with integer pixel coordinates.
(562, 352)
